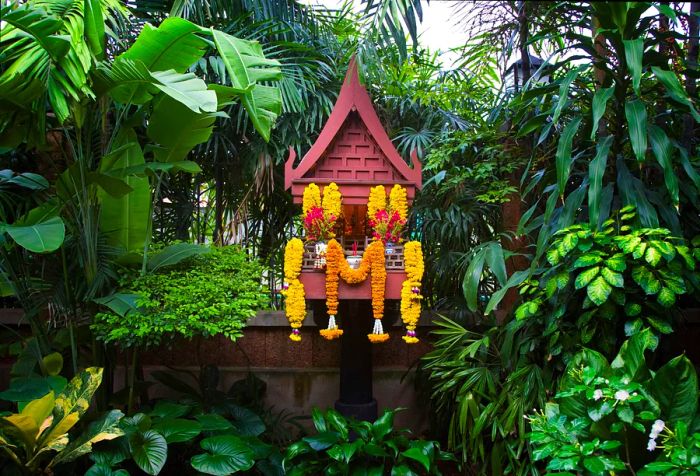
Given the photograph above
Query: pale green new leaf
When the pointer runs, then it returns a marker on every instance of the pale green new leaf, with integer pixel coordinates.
(599, 290)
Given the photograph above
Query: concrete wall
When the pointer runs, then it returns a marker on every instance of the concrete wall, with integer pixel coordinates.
(301, 375)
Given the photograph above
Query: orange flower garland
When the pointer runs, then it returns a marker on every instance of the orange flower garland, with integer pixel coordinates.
(378, 283)
(338, 268)
(410, 290)
(334, 258)
(293, 289)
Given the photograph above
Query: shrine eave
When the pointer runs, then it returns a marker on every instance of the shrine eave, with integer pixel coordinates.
(353, 97)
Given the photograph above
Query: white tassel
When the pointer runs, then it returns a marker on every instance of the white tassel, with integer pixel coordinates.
(378, 329)
(331, 323)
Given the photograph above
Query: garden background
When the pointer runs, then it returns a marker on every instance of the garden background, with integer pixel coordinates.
(144, 220)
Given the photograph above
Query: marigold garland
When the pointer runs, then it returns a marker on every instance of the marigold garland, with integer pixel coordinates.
(376, 201)
(293, 289)
(410, 290)
(337, 267)
(332, 202)
(311, 197)
(398, 201)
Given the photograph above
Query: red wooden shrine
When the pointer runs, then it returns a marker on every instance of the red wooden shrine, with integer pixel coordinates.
(354, 151)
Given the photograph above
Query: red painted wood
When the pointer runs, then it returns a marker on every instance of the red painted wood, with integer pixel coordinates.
(352, 147)
(315, 286)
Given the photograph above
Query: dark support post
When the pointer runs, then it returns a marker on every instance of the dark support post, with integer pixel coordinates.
(356, 398)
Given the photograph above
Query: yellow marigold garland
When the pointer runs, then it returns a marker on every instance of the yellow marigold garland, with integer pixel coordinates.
(398, 201)
(311, 197)
(376, 201)
(410, 290)
(332, 201)
(293, 289)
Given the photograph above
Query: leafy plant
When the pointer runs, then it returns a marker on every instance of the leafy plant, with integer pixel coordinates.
(374, 448)
(604, 411)
(228, 445)
(209, 294)
(37, 438)
(617, 271)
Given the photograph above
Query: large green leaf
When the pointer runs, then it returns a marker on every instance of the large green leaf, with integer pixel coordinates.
(675, 387)
(633, 193)
(120, 303)
(636, 114)
(596, 171)
(599, 290)
(246, 66)
(94, 27)
(31, 46)
(600, 100)
(125, 219)
(172, 45)
(178, 430)
(42, 237)
(634, 50)
(149, 450)
(663, 151)
(674, 89)
(130, 81)
(177, 129)
(631, 356)
(224, 455)
(105, 428)
(563, 155)
(173, 254)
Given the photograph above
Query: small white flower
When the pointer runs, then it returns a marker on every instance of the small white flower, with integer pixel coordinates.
(598, 394)
(657, 428)
(607, 381)
(625, 381)
(622, 395)
(651, 446)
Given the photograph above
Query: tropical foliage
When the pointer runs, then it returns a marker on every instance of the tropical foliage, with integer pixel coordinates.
(378, 448)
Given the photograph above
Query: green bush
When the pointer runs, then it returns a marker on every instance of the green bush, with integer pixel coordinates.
(359, 447)
(207, 295)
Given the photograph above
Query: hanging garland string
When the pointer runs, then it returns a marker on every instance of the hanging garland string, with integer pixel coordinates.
(378, 283)
(410, 290)
(337, 267)
(293, 288)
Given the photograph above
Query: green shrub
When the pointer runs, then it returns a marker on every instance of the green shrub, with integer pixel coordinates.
(621, 416)
(207, 295)
(598, 284)
(359, 447)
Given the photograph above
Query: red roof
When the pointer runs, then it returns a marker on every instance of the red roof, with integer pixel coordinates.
(353, 150)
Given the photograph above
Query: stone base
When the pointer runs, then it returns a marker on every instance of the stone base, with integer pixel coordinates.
(358, 411)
